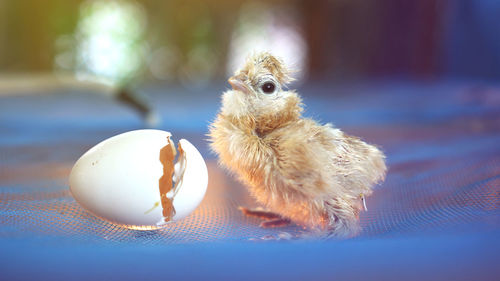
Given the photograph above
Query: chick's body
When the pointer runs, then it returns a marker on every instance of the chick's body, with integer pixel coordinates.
(309, 173)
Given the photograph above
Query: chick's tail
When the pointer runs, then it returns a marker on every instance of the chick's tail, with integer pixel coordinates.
(377, 159)
(342, 218)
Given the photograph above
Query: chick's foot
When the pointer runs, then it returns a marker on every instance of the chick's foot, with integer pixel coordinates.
(281, 222)
(270, 219)
(259, 213)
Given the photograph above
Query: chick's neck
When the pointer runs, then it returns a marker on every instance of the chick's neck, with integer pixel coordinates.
(263, 122)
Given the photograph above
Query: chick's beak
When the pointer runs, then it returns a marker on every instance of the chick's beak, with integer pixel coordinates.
(238, 85)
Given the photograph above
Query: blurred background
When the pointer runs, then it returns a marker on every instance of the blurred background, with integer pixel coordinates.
(130, 50)
(194, 42)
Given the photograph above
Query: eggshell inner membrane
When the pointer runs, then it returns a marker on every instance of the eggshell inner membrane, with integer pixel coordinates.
(167, 156)
(193, 180)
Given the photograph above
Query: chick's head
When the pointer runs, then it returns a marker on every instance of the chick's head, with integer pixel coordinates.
(258, 97)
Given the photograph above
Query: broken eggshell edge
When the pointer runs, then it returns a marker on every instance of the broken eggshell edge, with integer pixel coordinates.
(193, 181)
(118, 180)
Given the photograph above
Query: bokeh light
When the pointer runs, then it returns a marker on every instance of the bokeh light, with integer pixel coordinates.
(163, 62)
(262, 27)
(108, 41)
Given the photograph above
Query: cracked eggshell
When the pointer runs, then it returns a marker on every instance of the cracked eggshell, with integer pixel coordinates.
(195, 176)
(118, 179)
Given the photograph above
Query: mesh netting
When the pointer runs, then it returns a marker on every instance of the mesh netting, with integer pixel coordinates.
(444, 172)
(409, 202)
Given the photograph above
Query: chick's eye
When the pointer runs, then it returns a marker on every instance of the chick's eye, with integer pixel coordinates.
(268, 87)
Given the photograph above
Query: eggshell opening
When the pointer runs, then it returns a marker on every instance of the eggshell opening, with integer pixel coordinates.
(192, 180)
(165, 183)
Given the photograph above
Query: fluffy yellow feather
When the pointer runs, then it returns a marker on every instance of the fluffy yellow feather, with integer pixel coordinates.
(312, 174)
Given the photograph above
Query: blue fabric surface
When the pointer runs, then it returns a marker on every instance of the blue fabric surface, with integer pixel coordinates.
(436, 216)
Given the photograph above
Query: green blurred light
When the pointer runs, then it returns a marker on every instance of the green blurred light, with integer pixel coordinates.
(110, 41)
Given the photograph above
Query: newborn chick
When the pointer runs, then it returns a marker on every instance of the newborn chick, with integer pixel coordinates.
(311, 174)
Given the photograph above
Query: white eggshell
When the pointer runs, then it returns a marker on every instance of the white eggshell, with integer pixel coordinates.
(118, 179)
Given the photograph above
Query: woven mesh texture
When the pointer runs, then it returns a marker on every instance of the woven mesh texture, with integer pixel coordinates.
(443, 156)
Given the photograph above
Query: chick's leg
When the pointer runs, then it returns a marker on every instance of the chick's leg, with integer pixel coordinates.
(281, 222)
(270, 219)
(259, 213)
